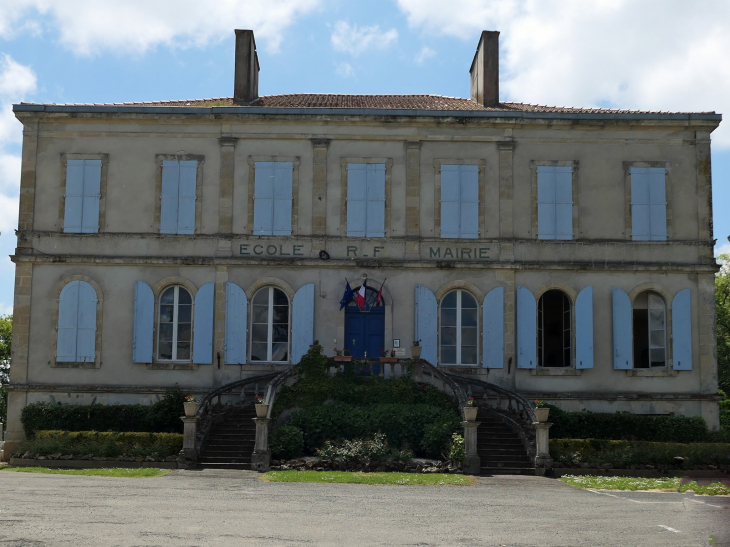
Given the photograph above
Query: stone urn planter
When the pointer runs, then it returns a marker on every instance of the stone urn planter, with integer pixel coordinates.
(343, 358)
(191, 409)
(262, 409)
(470, 413)
(388, 359)
(542, 414)
(416, 352)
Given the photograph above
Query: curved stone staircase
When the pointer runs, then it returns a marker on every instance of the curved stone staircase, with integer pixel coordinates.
(231, 441)
(500, 448)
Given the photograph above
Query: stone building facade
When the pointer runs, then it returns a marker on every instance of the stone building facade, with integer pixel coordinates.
(560, 253)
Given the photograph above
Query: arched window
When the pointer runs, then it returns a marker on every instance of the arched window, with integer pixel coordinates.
(76, 340)
(175, 326)
(459, 329)
(270, 326)
(554, 325)
(650, 330)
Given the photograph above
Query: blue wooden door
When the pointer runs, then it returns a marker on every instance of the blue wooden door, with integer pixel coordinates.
(364, 331)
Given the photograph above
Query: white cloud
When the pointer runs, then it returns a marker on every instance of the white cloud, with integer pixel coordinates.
(653, 55)
(425, 53)
(355, 40)
(345, 70)
(89, 26)
(722, 249)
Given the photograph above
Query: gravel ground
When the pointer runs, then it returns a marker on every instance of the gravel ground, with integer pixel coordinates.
(234, 508)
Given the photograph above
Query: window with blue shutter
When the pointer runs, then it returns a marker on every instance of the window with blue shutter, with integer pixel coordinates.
(554, 202)
(236, 325)
(682, 331)
(273, 198)
(77, 323)
(302, 322)
(584, 329)
(203, 325)
(493, 320)
(526, 329)
(83, 190)
(144, 319)
(622, 339)
(460, 201)
(648, 204)
(366, 200)
(426, 312)
(177, 202)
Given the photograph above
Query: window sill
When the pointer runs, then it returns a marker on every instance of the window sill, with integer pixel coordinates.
(172, 366)
(556, 371)
(644, 372)
(74, 364)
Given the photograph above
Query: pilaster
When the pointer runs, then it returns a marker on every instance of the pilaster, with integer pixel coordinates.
(704, 188)
(507, 279)
(188, 456)
(707, 347)
(506, 189)
(261, 457)
(413, 188)
(472, 462)
(225, 200)
(219, 318)
(27, 181)
(319, 186)
(543, 460)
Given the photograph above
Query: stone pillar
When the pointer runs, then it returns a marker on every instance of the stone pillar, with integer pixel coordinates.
(542, 438)
(225, 196)
(472, 462)
(261, 457)
(219, 325)
(413, 188)
(319, 186)
(27, 184)
(188, 456)
(707, 348)
(506, 189)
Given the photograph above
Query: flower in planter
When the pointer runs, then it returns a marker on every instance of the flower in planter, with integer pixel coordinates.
(259, 400)
(383, 352)
(417, 342)
(540, 403)
(190, 399)
(347, 352)
(338, 352)
(392, 353)
(470, 401)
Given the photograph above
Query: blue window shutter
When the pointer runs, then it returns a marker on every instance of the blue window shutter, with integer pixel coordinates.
(526, 329)
(493, 320)
(356, 202)
(682, 331)
(236, 325)
(68, 315)
(640, 204)
(622, 330)
(92, 193)
(375, 208)
(657, 204)
(546, 219)
(186, 197)
(169, 197)
(203, 325)
(450, 201)
(282, 198)
(427, 323)
(469, 221)
(564, 202)
(74, 197)
(302, 322)
(144, 320)
(584, 329)
(263, 199)
(86, 333)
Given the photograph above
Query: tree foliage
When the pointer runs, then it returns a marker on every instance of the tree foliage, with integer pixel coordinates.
(722, 301)
(6, 335)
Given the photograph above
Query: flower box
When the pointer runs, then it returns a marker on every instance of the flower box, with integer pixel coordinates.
(191, 409)
(470, 413)
(343, 358)
(262, 409)
(416, 352)
(542, 414)
(388, 359)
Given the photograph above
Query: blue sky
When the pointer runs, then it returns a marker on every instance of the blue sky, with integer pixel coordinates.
(658, 55)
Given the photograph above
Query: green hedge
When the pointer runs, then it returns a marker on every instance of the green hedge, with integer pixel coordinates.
(626, 453)
(161, 417)
(103, 444)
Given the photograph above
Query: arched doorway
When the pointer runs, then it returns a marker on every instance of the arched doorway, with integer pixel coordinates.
(365, 329)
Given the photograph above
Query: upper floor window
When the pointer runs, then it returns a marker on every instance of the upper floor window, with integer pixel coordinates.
(273, 198)
(648, 204)
(554, 328)
(175, 325)
(270, 326)
(650, 330)
(366, 200)
(179, 186)
(83, 190)
(77, 323)
(460, 201)
(459, 329)
(554, 202)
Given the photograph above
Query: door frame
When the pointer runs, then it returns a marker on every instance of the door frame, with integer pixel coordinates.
(387, 304)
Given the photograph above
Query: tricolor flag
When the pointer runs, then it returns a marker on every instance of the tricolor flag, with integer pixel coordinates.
(360, 298)
(347, 296)
(380, 293)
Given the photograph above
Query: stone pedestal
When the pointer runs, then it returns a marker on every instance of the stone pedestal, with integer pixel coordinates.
(472, 462)
(543, 460)
(261, 457)
(188, 456)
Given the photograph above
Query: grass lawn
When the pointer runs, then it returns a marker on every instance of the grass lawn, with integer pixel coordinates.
(111, 472)
(667, 484)
(347, 477)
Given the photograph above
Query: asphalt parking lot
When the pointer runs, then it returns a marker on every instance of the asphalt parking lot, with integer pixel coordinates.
(235, 508)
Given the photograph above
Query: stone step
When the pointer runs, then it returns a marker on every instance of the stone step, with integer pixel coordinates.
(216, 460)
(506, 462)
(507, 471)
(216, 465)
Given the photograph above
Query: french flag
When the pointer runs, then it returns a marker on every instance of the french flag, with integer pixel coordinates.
(360, 298)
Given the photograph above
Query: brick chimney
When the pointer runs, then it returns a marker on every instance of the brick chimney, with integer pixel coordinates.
(484, 70)
(246, 83)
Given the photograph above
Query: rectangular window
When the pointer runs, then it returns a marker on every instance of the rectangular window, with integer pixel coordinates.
(460, 201)
(554, 202)
(648, 204)
(177, 208)
(366, 200)
(83, 190)
(273, 198)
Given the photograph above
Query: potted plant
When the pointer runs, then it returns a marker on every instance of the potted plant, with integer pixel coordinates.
(541, 410)
(339, 357)
(191, 406)
(470, 410)
(388, 356)
(416, 349)
(262, 409)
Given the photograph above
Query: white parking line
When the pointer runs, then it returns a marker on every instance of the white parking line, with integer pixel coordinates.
(629, 499)
(705, 503)
(669, 528)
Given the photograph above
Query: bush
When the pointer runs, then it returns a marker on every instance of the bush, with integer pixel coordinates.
(161, 417)
(626, 453)
(457, 453)
(365, 450)
(725, 414)
(103, 444)
(287, 442)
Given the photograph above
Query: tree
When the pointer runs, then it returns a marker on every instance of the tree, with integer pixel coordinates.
(6, 335)
(722, 305)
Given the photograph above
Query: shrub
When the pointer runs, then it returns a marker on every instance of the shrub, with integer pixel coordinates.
(287, 442)
(103, 444)
(457, 453)
(725, 414)
(372, 450)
